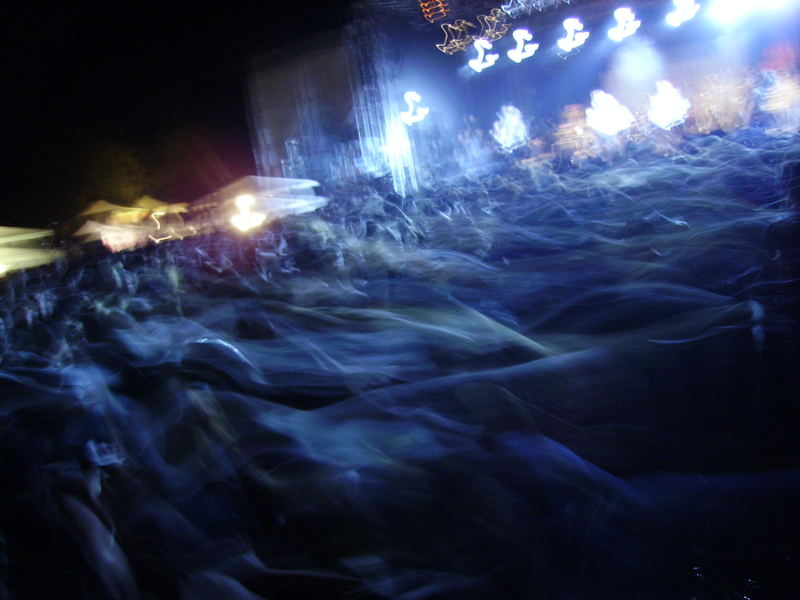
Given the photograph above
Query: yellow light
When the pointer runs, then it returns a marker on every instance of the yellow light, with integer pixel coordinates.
(245, 202)
(3, 269)
(246, 219)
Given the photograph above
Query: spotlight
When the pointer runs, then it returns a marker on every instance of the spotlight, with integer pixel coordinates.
(246, 219)
(607, 115)
(483, 61)
(414, 114)
(728, 11)
(684, 11)
(522, 50)
(626, 26)
(575, 36)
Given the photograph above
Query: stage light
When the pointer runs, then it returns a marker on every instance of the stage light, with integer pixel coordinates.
(728, 11)
(245, 201)
(483, 61)
(684, 10)
(626, 26)
(575, 35)
(510, 131)
(414, 114)
(523, 50)
(398, 156)
(246, 219)
(607, 115)
(433, 10)
(668, 108)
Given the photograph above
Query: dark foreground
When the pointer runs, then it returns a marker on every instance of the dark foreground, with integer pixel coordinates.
(576, 386)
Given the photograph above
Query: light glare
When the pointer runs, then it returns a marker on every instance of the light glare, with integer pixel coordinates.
(246, 219)
(684, 10)
(668, 108)
(575, 35)
(414, 114)
(523, 50)
(244, 202)
(607, 115)
(626, 26)
(483, 60)
(510, 131)
(729, 11)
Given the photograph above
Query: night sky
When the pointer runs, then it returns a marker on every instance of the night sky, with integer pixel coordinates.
(131, 99)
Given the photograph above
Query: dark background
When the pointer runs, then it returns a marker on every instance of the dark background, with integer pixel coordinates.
(133, 99)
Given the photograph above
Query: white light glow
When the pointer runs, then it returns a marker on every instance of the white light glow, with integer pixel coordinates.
(414, 114)
(246, 219)
(244, 202)
(398, 156)
(607, 115)
(510, 131)
(575, 35)
(729, 11)
(684, 10)
(483, 61)
(523, 49)
(668, 108)
(626, 26)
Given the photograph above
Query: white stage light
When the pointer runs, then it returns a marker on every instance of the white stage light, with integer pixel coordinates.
(668, 108)
(626, 26)
(523, 49)
(607, 115)
(729, 11)
(684, 11)
(575, 37)
(483, 61)
(414, 114)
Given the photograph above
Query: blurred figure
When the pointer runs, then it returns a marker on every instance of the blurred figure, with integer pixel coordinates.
(779, 96)
(574, 140)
